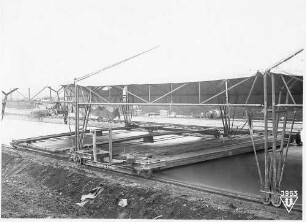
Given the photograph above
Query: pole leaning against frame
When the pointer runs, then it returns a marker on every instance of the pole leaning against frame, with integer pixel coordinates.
(276, 201)
(266, 196)
(76, 110)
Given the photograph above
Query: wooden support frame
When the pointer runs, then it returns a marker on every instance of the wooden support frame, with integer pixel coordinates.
(76, 93)
(171, 91)
(270, 167)
(128, 92)
(247, 100)
(288, 89)
(199, 88)
(296, 78)
(110, 145)
(174, 104)
(274, 133)
(266, 196)
(94, 144)
(98, 95)
(29, 95)
(233, 86)
(38, 93)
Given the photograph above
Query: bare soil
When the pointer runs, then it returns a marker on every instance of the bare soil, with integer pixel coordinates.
(35, 186)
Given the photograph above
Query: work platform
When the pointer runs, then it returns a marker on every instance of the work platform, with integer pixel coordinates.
(144, 150)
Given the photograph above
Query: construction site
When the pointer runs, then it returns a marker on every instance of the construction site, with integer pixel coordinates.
(144, 131)
(207, 124)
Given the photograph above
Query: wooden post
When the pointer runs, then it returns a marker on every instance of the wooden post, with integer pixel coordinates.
(278, 114)
(199, 92)
(228, 108)
(109, 93)
(266, 199)
(171, 97)
(287, 148)
(50, 94)
(76, 115)
(29, 93)
(250, 121)
(94, 144)
(64, 96)
(110, 145)
(282, 149)
(149, 93)
(226, 92)
(274, 132)
(282, 144)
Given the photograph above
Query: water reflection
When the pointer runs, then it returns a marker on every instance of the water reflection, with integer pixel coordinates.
(239, 173)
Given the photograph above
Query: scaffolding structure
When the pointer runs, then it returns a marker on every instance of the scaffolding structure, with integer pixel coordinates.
(274, 86)
(279, 95)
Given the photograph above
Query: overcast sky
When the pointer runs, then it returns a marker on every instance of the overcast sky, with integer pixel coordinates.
(50, 42)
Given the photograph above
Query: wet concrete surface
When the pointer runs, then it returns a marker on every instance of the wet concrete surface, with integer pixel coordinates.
(239, 173)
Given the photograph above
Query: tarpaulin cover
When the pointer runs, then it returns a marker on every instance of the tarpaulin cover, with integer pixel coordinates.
(194, 92)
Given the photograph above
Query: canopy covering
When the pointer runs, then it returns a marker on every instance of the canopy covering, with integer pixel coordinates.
(241, 90)
(146, 87)
(247, 90)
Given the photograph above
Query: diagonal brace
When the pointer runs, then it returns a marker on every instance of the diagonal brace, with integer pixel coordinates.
(233, 86)
(288, 89)
(177, 88)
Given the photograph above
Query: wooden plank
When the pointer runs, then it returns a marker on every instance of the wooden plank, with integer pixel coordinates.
(118, 140)
(50, 136)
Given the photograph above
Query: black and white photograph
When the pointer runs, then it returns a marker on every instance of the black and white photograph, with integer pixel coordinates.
(152, 109)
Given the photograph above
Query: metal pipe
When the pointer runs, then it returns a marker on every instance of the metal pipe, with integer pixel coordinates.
(173, 104)
(179, 104)
(290, 105)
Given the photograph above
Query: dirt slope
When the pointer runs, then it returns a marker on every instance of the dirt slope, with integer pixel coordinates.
(38, 187)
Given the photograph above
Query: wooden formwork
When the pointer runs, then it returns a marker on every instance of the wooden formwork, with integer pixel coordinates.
(132, 154)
